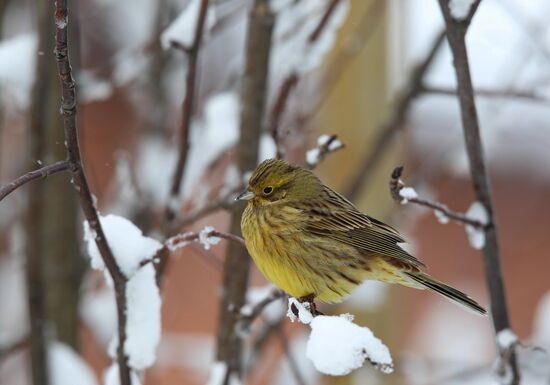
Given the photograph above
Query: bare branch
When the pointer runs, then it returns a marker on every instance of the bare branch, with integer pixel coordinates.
(191, 82)
(68, 110)
(394, 123)
(257, 309)
(456, 33)
(396, 185)
(488, 93)
(41, 173)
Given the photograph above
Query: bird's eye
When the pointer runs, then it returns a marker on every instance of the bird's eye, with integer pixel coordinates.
(268, 190)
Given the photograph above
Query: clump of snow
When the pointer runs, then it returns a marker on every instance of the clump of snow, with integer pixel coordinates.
(268, 149)
(128, 244)
(407, 193)
(65, 365)
(218, 373)
(313, 156)
(143, 323)
(304, 311)
(441, 217)
(323, 139)
(206, 238)
(112, 376)
(476, 236)
(182, 30)
(506, 339)
(460, 8)
(17, 67)
(92, 88)
(337, 346)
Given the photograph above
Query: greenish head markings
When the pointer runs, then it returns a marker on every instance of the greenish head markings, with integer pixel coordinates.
(274, 180)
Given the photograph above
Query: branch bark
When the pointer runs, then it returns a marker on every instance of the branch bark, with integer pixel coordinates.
(68, 110)
(456, 33)
(237, 263)
(191, 81)
(396, 120)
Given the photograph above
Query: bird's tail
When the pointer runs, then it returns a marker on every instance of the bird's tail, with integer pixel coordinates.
(446, 291)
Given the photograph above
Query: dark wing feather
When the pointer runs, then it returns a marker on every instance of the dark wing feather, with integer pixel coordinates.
(331, 215)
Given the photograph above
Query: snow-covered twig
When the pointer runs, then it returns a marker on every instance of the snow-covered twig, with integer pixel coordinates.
(68, 110)
(396, 120)
(456, 35)
(41, 173)
(402, 194)
(250, 313)
(489, 93)
(192, 53)
(326, 144)
(336, 345)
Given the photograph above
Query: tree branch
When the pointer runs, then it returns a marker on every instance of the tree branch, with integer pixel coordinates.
(456, 33)
(396, 185)
(191, 82)
(396, 120)
(487, 93)
(68, 110)
(237, 262)
(41, 173)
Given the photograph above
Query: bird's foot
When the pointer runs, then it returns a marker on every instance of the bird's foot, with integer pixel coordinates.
(310, 301)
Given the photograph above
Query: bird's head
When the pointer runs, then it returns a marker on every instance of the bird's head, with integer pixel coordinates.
(278, 181)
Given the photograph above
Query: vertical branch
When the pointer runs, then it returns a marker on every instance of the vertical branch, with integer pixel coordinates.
(456, 33)
(68, 110)
(34, 218)
(253, 96)
(396, 120)
(188, 103)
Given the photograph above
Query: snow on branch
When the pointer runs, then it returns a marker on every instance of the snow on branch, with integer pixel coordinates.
(181, 32)
(507, 341)
(326, 144)
(475, 219)
(336, 345)
(142, 306)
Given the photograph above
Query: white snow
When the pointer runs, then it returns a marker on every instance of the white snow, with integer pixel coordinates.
(17, 67)
(477, 236)
(323, 139)
(370, 295)
(217, 375)
(460, 8)
(506, 339)
(304, 313)
(206, 239)
(313, 156)
(337, 346)
(182, 30)
(111, 376)
(407, 193)
(128, 244)
(441, 217)
(143, 325)
(541, 327)
(91, 88)
(65, 365)
(335, 145)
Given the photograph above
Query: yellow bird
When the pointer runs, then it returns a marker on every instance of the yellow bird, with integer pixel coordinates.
(313, 243)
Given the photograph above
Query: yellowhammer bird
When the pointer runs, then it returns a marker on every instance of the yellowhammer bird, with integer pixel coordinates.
(312, 242)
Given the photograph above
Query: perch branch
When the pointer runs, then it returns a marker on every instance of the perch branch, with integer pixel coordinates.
(191, 82)
(68, 110)
(456, 33)
(396, 185)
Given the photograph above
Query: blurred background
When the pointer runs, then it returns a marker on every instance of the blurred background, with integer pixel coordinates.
(379, 75)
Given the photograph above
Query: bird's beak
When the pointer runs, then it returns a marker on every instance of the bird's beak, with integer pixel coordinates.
(246, 195)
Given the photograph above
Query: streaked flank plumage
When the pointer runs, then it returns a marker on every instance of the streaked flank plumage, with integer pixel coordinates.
(312, 242)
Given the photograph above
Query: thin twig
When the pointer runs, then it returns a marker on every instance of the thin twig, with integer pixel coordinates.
(294, 368)
(41, 173)
(292, 80)
(488, 93)
(191, 82)
(456, 34)
(257, 309)
(396, 185)
(396, 120)
(6, 351)
(328, 146)
(68, 110)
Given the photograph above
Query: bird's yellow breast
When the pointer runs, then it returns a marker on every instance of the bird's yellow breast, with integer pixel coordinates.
(294, 260)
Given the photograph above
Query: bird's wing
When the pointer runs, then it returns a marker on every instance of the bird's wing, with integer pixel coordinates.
(333, 216)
